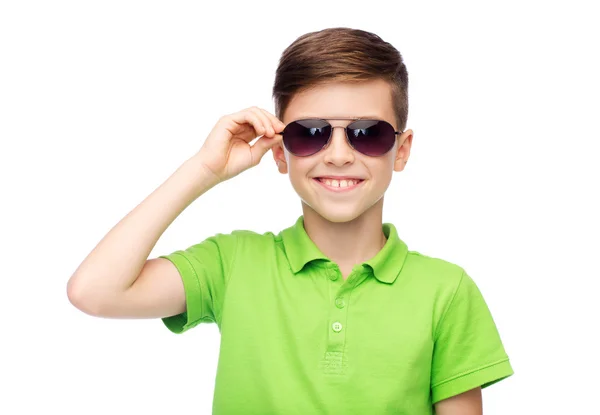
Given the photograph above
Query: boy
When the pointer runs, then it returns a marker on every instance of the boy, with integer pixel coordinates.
(333, 314)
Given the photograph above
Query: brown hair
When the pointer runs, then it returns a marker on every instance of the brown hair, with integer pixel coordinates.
(340, 54)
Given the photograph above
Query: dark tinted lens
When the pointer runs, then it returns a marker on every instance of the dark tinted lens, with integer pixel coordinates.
(306, 137)
(371, 137)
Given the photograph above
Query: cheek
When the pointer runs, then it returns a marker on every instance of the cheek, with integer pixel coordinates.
(383, 172)
(298, 170)
(300, 167)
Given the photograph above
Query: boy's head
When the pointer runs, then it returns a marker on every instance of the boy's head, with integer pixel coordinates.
(342, 73)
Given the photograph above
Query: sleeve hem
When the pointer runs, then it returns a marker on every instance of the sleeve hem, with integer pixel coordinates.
(483, 376)
(193, 314)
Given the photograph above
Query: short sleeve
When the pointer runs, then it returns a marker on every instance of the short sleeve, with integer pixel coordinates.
(205, 269)
(467, 350)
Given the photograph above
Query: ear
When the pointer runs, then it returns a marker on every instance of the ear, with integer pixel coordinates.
(279, 157)
(403, 152)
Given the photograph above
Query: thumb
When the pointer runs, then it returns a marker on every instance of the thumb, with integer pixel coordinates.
(264, 144)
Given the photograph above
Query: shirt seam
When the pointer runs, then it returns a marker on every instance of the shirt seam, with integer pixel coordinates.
(470, 371)
(450, 303)
(228, 281)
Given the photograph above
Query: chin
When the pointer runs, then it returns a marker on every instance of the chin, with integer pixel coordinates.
(341, 211)
(337, 214)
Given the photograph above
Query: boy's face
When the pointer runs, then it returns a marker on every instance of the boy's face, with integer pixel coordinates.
(367, 99)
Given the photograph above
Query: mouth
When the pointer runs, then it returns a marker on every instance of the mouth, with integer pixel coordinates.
(338, 185)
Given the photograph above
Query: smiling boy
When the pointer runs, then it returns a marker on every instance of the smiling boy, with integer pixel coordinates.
(333, 314)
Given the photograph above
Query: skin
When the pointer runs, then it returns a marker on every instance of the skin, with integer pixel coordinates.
(333, 221)
(467, 403)
(347, 226)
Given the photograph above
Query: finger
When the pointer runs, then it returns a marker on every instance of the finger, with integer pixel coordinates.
(277, 124)
(262, 145)
(250, 119)
(257, 123)
(270, 131)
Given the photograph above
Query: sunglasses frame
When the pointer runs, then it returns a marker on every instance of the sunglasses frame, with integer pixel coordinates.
(339, 126)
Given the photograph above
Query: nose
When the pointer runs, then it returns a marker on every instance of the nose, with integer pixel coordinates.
(338, 151)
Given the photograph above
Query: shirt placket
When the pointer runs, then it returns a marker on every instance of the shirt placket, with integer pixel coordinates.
(334, 362)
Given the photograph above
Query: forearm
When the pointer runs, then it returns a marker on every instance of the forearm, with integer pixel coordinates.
(117, 260)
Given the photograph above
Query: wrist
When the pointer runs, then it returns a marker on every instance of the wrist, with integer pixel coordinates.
(202, 178)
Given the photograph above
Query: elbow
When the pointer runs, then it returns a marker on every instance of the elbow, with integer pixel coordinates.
(79, 299)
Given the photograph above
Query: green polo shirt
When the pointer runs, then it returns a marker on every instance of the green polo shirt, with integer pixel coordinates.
(401, 333)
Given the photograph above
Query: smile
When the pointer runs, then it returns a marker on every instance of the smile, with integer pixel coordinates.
(338, 185)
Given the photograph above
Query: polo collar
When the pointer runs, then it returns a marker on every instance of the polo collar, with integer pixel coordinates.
(386, 264)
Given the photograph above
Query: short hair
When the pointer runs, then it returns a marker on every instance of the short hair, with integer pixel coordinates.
(340, 54)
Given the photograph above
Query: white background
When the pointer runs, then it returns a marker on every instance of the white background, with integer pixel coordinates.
(100, 102)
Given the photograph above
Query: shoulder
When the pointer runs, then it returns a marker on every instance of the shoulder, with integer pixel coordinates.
(434, 271)
(439, 279)
(237, 242)
(242, 236)
(445, 282)
(250, 237)
(250, 242)
(226, 245)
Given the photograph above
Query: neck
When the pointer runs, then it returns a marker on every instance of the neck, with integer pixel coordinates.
(347, 243)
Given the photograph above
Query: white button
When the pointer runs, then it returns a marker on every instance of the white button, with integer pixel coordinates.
(337, 326)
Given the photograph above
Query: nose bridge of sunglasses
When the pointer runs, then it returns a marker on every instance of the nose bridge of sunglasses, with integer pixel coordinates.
(341, 139)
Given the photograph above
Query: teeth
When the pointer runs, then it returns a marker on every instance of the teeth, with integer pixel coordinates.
(339, 183)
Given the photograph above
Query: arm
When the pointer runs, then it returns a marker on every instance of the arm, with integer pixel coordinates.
(116, 279)
(467, 403)
(101, 283)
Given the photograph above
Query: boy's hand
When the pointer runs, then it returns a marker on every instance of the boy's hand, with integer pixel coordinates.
(227, 151)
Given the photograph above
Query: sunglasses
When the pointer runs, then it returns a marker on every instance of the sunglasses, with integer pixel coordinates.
(308, 136)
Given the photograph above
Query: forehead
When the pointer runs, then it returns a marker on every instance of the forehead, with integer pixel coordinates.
(364, 99)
